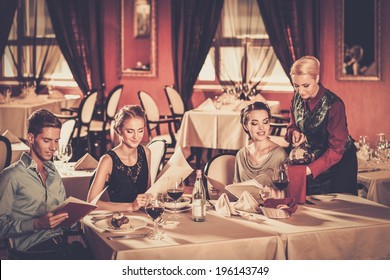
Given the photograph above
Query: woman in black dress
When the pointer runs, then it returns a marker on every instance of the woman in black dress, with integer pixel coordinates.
(125, 168)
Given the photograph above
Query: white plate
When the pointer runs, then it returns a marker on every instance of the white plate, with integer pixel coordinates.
(134, 223)
(184, 202)
(324, 197)
(184, 209)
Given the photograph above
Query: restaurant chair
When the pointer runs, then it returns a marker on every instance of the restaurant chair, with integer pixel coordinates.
(102, 127)
(220, 167)
(5, 152)
(83, 119)
(155, 122)
(67, 131)
(176, 104)
(279, 124)
(158, 149)
(69, 235)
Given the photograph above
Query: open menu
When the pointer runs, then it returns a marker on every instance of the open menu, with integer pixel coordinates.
(236, 189)
(177, 168)
(76, 209)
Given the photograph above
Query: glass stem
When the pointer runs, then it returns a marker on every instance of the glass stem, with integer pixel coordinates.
(155, 227)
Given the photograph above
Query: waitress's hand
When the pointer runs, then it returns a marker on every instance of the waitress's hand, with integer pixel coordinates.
(297, 138)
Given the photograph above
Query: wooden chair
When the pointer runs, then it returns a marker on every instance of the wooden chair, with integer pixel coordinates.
(83, 119)
(5, 152)
(221, 168)
(176, 104)
(155, 122)
(102, 127)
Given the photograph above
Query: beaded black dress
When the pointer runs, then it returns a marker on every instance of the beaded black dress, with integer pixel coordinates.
(126, 182)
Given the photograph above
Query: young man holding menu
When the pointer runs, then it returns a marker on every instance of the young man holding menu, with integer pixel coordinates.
(30, 189)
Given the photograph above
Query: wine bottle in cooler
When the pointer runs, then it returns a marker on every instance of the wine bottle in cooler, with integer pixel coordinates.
(198, 199)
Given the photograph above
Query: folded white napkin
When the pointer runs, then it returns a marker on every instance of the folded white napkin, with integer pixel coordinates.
(247, 203)
(207, 105)
(11, 137)
(87, 162)
(223, 206)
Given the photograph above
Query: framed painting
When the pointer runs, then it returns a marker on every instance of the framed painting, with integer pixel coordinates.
(358, 44)
(141, 20)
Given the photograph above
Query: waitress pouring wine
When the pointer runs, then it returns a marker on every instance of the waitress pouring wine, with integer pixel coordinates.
(318, 116)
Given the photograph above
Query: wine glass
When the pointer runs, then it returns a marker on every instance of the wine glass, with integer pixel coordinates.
(175, 193)
(265, 192)
(65, 153)
(155, 208)
(280, 177)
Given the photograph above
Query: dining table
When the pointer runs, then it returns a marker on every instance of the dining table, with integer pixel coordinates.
(216, 129)
(76, 182)
(344, 227)
(374, 175)
(14, 115)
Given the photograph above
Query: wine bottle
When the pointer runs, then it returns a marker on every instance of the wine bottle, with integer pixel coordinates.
(198, 199)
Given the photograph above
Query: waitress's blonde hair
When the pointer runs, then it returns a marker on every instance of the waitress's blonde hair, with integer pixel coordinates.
(306, 65)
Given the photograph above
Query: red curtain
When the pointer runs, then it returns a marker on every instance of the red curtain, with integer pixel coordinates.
(78, 28)
(292, 26)
(194, 23)
(7, 13)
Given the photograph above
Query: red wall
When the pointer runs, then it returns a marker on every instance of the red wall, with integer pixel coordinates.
(154, 86)
(366, 102)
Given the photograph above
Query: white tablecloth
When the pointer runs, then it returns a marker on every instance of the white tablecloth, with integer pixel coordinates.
(76, 182)
(349, 227)
(218, 129)
(14, 115)
(377, 183)
(217, 238)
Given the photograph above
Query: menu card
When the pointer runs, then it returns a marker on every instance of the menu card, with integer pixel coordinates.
(177, 168)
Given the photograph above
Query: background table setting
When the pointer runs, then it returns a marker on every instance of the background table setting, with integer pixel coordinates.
(15, 112)
(374, 169)
(216, 125)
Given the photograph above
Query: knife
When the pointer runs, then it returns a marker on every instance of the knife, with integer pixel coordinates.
(369, 170)
(310, 202)
(127, 236)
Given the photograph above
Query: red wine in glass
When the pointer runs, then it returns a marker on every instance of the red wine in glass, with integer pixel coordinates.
(154, 212)
(280, 177)
(281, 185)
(175, 194)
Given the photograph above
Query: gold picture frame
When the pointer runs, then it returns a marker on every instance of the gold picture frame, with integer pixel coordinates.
(358, 44)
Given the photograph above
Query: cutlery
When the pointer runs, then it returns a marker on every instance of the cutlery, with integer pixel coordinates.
(369, 170)
(127, 236)
(310, 202)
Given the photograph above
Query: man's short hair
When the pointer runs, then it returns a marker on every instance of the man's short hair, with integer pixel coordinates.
(42, 118)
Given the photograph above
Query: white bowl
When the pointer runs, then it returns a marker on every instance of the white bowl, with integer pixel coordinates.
(182, 202)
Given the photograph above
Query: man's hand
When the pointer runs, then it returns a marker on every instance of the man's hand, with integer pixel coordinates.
(49, 221)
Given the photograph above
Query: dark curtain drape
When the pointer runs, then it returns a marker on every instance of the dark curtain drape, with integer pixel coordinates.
(7, 13)
(78, 28)
(194, 23)
(292, 26)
